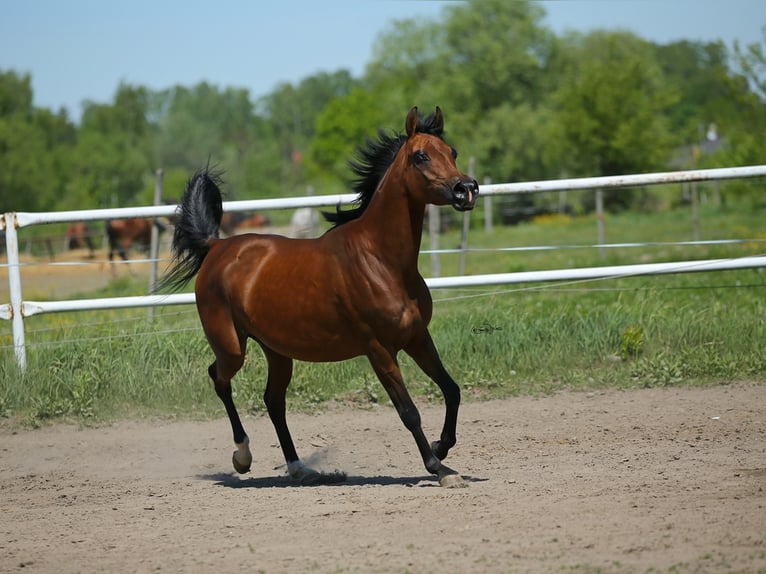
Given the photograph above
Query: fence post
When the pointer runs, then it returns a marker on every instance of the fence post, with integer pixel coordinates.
(600, 220)
(433, 239)
(488, 224)
(14, 285)
(695, 210)
(154, 246)
(154, 243)
(466, 222)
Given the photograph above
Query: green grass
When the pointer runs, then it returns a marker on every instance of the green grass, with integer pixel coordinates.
(688, 329)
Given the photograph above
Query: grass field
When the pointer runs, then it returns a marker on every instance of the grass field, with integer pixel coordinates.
(696, 328)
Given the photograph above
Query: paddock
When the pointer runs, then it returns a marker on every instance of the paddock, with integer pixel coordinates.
(664, 480)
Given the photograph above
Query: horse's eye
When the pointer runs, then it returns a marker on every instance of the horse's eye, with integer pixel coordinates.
(454, 153)
(420, 157)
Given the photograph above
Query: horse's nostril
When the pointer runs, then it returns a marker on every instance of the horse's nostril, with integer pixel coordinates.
(465, 187)
(461, 187)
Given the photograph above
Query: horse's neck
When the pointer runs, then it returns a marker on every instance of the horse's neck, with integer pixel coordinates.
(396, 224)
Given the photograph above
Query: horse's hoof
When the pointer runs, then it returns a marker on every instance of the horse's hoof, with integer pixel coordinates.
(299, 471)
(239, 467)
(452, 481)
(322, 478)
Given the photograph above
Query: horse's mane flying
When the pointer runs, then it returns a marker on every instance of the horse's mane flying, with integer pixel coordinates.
(370, 164)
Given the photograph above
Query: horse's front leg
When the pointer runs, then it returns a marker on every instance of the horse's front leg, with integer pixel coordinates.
(280, 374)
(424, 352)
(387, 369)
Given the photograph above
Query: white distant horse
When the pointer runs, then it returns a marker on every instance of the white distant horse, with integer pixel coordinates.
(304, 223)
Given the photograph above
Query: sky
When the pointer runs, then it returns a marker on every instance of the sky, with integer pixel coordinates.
(81, 50)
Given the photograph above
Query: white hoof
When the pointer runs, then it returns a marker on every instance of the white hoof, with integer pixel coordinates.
(310, 477)
(241, 459)
(300, 471)
(452, 481)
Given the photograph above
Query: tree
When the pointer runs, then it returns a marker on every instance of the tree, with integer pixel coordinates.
(34, 145)
(698, 72)
(486, 63)
(344, 124)
(743, 132)
(611, 108)
(292, 112)
(112, 161)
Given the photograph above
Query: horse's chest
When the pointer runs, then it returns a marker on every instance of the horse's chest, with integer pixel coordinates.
(399, 317)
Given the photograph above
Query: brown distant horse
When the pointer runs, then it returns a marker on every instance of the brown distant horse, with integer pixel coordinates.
(355, 290)
(123, 233)
(79, 236)
(235, 222)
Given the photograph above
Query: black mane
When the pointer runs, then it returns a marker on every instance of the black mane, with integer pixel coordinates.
(370, 165)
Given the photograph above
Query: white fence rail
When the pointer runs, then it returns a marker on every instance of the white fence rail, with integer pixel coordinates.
(17, 308)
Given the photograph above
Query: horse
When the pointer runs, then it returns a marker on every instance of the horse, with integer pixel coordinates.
(236, 222)
(123, 233)
(355, 290)
(78, 236)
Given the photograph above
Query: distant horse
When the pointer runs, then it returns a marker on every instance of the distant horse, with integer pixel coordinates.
(355, 290)
(124, 233)
(233, 222)
(78, 236)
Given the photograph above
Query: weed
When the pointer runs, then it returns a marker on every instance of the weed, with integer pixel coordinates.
(632, 344)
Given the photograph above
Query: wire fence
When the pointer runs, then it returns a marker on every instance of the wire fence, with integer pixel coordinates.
(565, 278)
(186, 320)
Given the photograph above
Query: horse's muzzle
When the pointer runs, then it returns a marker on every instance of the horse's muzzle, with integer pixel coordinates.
(464, 194)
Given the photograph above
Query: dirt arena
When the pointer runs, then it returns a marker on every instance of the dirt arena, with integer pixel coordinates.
(661, 480)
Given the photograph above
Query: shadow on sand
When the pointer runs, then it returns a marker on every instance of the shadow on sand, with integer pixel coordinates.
(232, 480)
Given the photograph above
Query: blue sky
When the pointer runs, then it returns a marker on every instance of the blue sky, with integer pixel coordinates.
(78, 50)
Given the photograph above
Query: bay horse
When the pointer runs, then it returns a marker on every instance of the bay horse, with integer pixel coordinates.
(123, 233)
(79, 236)
(353, 291)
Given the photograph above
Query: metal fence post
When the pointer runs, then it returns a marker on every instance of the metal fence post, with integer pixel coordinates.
(600, 221)
(433, 239)
(488, 223)
(14, 285)
(154, 243)
(466, 223)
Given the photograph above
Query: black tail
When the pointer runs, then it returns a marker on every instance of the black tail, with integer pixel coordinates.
(198, 220)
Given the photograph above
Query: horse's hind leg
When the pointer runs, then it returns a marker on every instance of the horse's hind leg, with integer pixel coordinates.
(229, 360)
(424, 352)
(242, 458)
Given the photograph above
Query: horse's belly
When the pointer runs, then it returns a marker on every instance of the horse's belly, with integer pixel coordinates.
(324, 333)
(303, 333)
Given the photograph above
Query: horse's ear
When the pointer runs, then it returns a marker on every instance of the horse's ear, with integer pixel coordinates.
(411, 123)
(439, 120)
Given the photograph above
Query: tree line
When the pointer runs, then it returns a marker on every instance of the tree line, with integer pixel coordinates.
(526, 103)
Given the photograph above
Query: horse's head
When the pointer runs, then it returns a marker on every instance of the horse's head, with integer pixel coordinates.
(431, 170)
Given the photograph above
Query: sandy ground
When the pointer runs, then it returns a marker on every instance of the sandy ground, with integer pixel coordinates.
(651, 480)
(70, 274)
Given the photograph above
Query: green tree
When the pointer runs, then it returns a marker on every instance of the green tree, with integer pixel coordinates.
(292, 112)
(34, 145)
(698, 72)
(112, 162)
(486, 63)
(611, 108)
(345, 124)
(743, 133)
